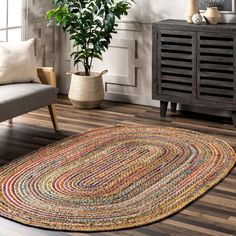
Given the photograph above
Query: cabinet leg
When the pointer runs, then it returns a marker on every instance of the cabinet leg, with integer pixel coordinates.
(10, 121)
(234, 118)
(173, 107)
(163, 108)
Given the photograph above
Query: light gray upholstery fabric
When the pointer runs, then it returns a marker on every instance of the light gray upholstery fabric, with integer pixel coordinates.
(17, 99)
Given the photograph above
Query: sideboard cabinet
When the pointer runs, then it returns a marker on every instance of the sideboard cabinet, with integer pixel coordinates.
(195, 65)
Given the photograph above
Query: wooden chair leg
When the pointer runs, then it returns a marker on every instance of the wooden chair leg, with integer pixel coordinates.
(10, 121)
(52, 112)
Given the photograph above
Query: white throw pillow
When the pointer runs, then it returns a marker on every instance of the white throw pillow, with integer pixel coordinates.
(18, 63)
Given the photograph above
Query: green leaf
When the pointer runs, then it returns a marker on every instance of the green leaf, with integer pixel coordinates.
(90, 24)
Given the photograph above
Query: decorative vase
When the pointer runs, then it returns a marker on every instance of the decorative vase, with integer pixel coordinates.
(86, 92)
(197, 19)
(212, 15)
(191, 9)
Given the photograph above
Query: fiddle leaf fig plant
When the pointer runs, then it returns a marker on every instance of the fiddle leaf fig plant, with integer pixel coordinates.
(90, 24)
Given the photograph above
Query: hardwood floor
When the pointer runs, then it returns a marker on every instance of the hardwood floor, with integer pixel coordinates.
(213, 214)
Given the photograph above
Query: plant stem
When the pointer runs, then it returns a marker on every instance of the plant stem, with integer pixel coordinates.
(87, 67)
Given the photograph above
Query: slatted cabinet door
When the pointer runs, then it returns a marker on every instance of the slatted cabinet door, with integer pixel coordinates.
(216, 67)
(194, 65)
(177, 64)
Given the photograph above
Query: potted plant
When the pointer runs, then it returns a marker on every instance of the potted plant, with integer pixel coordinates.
(90, 24)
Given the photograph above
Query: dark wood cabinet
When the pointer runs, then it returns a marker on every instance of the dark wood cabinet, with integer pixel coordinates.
(194, 64)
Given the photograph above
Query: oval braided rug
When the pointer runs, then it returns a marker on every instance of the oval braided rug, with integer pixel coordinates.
(112, 178)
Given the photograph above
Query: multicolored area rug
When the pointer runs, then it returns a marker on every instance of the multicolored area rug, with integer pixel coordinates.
(112, 178)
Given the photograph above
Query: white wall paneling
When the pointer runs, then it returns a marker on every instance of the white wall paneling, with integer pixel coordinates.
(128, 61)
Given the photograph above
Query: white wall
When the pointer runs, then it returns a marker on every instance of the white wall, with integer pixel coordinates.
(148, 11)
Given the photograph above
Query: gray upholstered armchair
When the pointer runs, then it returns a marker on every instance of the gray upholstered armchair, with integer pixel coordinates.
(17, 99)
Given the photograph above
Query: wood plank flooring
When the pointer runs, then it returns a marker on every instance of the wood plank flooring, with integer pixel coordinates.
(212, 214)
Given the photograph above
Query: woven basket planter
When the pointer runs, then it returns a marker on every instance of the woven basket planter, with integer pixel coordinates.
(86, 92)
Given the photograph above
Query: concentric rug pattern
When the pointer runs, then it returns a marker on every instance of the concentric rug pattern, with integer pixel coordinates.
(112, 178)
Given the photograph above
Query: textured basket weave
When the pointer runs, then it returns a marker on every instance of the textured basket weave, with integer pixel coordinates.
(86, 91)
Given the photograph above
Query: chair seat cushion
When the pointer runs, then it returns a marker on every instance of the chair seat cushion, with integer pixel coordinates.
(17, 99)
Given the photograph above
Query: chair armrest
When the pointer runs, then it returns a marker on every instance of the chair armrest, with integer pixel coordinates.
(47, 75)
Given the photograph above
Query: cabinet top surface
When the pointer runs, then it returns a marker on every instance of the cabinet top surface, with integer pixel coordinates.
(182, 24)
